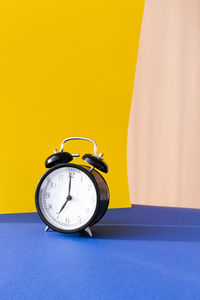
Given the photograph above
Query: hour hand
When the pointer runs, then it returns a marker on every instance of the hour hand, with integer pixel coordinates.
(63, 206)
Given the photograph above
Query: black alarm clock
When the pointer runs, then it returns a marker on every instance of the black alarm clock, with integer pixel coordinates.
(70, 197)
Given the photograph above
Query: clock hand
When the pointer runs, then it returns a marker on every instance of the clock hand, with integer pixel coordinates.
(63, 206)
(69, 189)
(69, 197)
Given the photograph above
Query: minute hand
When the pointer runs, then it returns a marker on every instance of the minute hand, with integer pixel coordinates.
(69, 189)
(68, 197)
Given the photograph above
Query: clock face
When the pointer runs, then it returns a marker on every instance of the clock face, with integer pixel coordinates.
(67, 198)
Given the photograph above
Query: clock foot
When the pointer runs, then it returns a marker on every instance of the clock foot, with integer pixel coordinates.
(48, 229)
(88, 231)
(91, 169)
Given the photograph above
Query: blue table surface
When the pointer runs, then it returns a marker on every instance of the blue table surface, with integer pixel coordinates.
(143, 252)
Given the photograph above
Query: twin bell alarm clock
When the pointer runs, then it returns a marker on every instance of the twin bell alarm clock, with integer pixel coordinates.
(71, 197)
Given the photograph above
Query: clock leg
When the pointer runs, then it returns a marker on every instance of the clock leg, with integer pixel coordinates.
(91, 169)
(47, 228)
(88, 231)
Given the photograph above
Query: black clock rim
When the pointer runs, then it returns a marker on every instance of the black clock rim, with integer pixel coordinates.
(37, 198)
(106, 208)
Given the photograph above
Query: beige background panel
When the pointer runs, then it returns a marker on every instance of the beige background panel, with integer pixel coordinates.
(163, 137)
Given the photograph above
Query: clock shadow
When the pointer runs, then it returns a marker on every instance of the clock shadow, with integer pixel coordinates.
(147, 232)
(152, 223)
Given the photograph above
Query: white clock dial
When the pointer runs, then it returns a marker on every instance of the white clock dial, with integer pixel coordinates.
(67, 198)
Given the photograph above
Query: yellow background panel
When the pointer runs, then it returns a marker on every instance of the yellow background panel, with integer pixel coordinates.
(66, 69)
